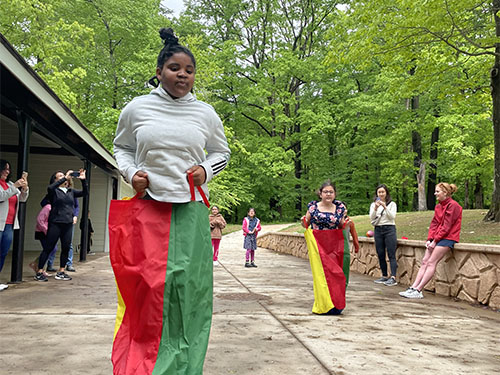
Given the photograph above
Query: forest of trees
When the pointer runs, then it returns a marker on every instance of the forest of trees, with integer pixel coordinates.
(401, 92)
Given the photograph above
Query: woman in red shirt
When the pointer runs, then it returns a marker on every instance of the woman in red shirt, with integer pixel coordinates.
(11, 193)
(444, 233)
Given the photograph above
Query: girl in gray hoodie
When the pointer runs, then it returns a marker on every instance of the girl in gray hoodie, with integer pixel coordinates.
(160, 139)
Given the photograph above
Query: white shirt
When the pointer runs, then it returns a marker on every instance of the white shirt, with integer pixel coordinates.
(388, 216)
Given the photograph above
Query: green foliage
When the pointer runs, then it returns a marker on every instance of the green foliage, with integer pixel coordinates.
(432, 51)
(307, 90)
(96, 55)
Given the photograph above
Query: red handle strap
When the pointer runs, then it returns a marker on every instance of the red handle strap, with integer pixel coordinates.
(305, 222)
(136, 196)
(200, 190)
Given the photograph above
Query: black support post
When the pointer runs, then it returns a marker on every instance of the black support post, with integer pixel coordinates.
(25, 128)
(84, 238)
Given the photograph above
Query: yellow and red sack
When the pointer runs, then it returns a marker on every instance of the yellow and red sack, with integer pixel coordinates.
(326, 256)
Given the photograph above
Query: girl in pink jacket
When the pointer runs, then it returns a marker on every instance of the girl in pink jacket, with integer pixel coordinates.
(251, 227)
(42, 224)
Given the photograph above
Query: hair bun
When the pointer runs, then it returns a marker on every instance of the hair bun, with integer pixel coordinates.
(168, 36)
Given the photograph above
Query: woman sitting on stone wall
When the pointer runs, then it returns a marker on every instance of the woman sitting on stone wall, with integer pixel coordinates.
(444, 233)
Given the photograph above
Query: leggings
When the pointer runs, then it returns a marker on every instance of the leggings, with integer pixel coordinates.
(55, 232)
(215, 244)
(250, 255)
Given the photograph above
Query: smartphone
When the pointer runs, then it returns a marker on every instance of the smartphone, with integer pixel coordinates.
(24, 175)
(377, 199)
(75, 174)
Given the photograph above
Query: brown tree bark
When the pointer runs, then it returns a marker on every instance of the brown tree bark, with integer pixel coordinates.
(419, 198)
(432, 173)
(494, 212)
(466, 195)
(478, 194)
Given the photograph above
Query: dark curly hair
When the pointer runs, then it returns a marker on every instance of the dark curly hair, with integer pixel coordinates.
(53, 177)
(171, 47)
(3, 166)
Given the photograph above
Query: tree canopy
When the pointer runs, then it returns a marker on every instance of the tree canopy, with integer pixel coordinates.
(359, 92)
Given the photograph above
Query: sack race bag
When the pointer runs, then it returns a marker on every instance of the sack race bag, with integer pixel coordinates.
(161, 256)
(326, 256)
(346, 262)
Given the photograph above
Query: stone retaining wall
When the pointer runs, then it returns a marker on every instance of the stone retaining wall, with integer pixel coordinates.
(469, 272)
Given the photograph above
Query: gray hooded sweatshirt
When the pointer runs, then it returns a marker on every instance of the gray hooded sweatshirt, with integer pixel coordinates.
(165, 137)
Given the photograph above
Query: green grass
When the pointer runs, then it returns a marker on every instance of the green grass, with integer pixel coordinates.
(230, 228)
(415, 226)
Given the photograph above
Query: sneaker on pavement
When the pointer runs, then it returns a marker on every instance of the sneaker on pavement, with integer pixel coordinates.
(409, 290)
(414, 294)
(3, 286)
(70, 268)
(51, 269)
(391, 282)
(247, 264)
(41, 277)
(62, 276)
(216, 262)
(253, 265)
(382, 280)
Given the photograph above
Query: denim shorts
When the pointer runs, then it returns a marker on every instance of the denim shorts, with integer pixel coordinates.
(447, 243)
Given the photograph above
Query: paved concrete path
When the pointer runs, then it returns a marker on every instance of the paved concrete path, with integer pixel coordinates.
(262, 324)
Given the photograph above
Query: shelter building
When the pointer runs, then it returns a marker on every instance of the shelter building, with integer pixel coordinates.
(39, 134)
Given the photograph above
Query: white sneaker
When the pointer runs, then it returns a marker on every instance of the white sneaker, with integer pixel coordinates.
(405, 292)
(216, 262)
(414, 294)
(3, 286)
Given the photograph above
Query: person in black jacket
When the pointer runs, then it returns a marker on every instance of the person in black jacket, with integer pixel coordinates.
(61, 198)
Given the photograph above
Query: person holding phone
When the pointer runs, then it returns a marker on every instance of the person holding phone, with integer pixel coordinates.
(11, 193)
(383, 215)
(61, 197)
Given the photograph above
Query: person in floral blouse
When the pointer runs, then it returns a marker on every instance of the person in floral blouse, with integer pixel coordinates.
(328, 213)
(324, 222)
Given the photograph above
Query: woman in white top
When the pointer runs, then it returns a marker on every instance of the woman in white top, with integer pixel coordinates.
(383, 215)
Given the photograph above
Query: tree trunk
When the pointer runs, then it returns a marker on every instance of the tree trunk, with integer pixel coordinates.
(422, 204)
(466, 197)
(297, 149)
(404, 198)
(478, 194)
(417, 163)
(494, 212)
(298, 175)
(275, 205)
(416, 142)
(432, 178)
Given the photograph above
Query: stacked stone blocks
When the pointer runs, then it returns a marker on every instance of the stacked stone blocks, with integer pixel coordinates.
(470, 272)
